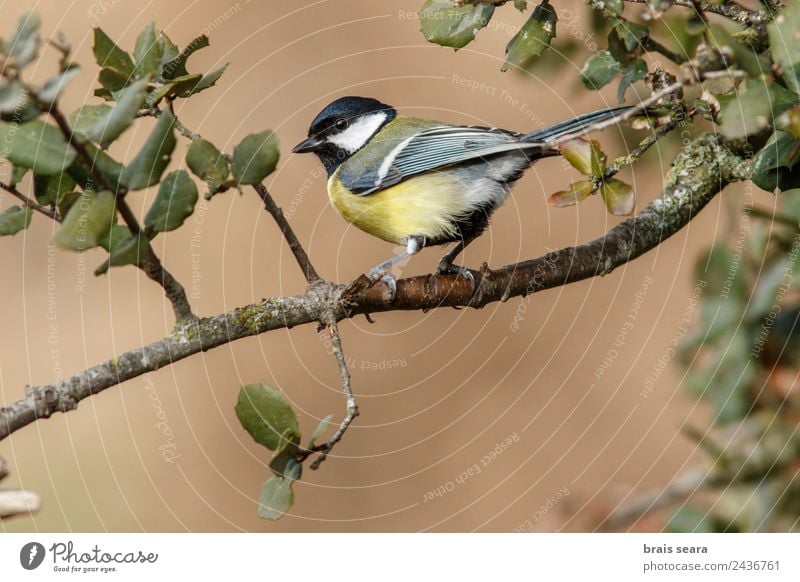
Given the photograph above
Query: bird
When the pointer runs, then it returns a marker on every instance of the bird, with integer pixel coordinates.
(421, 182)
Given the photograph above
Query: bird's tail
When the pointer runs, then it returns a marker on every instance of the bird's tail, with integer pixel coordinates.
(573, 125)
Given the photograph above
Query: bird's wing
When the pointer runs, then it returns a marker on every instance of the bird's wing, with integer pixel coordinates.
(436, 148)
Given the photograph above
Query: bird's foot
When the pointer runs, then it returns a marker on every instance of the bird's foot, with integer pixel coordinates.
(368, 280)
(446, 268)
(376, 277)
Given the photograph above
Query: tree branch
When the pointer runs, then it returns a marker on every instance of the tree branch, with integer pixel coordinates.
(16, 502)
(702, 169)
(352, 408)
(296, 247)
(644, 145)
(652, 45)
(729, 10)
(29, 202)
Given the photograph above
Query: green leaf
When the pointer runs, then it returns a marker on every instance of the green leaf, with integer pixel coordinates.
(177, 195)
(728, 390)
(789, 121)
(320, 430)
(158, 94)
(774, 163)
(107, 166)
(447, 25)
(618, 196)
(255, 157)
(36, 145)
(744, 56)
(88, 222)
(123, 248)
(147, 52)
(109, 55)
(532, 39)
(168, 49)
(265, 413)
(784, 42)
(52, 89)
(631, 34)
(184, 85)
(599, 70)
(86, 116)
(284, 463)
(720, 271)
(66, 201)
(177, 66)
(49, 189)
(24, 45)
(690, 519)
(636, 71)
(207, 163)
(584, 155)
(751, 109)
(14, 219)
(210, 79)
(17, 174)
(781, 149)
(276, 498)
(577, 193)
(782, 99)
(12, 98)
(112, 81)
(766, 288)
(26, 112)
(108, 127)
(148, 165)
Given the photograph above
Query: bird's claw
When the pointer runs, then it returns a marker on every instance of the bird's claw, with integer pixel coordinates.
(378, 276)
(451, 269)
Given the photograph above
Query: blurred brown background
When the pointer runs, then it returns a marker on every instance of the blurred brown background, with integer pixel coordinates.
(438, 391)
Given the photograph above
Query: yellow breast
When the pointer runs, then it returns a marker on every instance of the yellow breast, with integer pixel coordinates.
(424, 205)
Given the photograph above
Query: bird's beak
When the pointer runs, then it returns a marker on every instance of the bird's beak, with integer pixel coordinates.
(310, 144)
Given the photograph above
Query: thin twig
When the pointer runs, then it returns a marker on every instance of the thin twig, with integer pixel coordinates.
(774, 216)
(29, 202)
(18, 502)
(729, 10)
(638, 151)
(617, 119)
(684, 486)
(458, 3)
(351, 411)
(644, 105)
(652, 45)
(295, 246)
(176, 294)
(185, 131)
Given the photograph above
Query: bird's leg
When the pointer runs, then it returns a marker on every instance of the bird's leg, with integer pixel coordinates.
(381, 272)
(446, 266)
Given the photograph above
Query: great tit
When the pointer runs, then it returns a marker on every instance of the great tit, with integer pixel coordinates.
(419, 182)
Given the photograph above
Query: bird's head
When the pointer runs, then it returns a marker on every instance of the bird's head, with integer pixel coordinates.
(343, 128)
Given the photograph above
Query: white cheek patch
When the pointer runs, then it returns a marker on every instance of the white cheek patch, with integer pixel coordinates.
(360, 131)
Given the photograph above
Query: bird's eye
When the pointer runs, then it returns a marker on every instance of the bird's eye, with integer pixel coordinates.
(340, 124)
